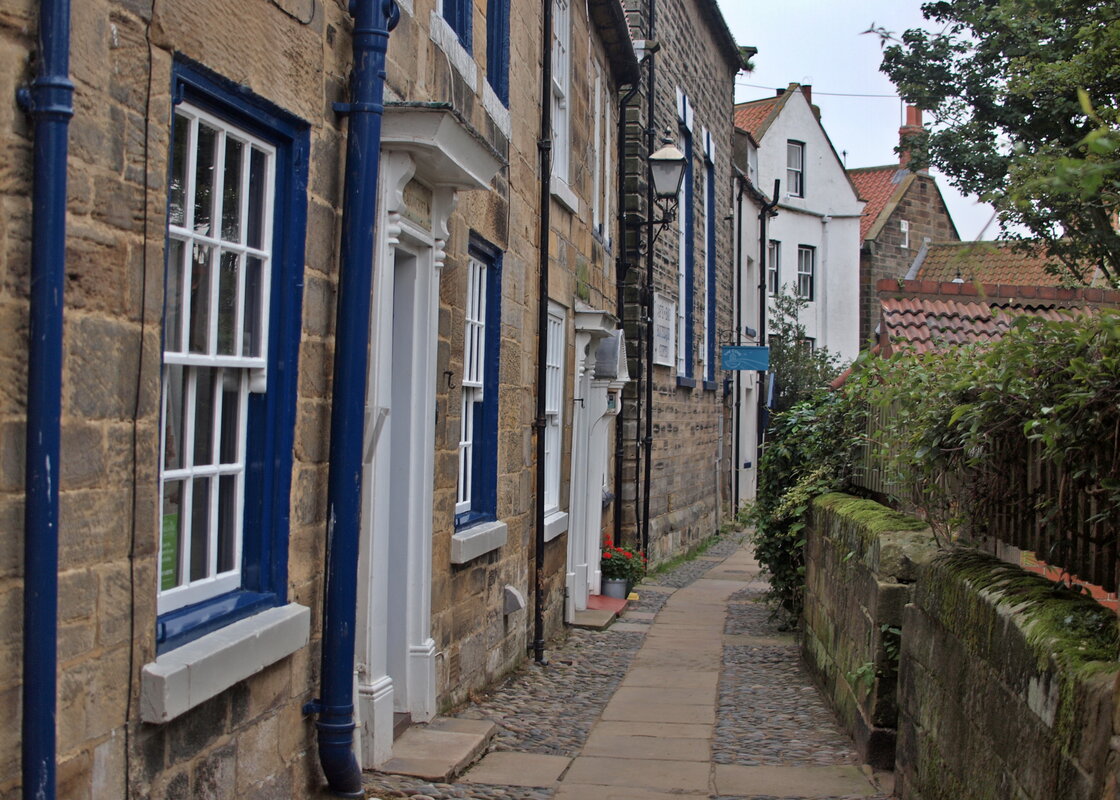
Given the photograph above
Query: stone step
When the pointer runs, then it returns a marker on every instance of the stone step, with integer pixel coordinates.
(441, 749)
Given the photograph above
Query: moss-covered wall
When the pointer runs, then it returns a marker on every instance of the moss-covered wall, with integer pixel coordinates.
(1008, 687)
(861, 562)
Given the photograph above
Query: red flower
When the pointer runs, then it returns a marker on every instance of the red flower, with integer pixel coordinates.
(606, 555)
(629, 555)
(609, 543)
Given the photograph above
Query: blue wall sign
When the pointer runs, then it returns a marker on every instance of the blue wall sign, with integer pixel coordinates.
(745, 357)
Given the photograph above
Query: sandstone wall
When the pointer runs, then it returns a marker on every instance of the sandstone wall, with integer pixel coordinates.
(886, 257)
(691, 424)
(1008, 687)
(861, 561)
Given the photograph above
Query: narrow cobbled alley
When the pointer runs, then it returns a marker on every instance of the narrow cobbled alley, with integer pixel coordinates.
(694, 692)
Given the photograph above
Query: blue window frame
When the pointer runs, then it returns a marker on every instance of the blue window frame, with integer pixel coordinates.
(497, 48)
(232, 319)
(710, 282)
(458, 16)
(477, 497)
(686, 360)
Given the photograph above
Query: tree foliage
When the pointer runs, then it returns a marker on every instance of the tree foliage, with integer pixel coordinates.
(806, 452)
(809, 452)
(799, 368)
(1025, 95)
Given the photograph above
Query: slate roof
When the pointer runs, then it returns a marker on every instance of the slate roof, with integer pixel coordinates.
(878, 186)
(931, 315)
(987, 262)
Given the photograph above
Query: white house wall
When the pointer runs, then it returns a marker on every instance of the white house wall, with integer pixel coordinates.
(826, 218)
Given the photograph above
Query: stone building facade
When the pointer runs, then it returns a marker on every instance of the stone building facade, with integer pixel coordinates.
(205, 196)
(904, 210)
(680, 289)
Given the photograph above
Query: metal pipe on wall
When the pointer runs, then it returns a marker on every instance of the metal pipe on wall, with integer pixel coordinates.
(544, 149)
(373, 20)
(621, 268)
(647, 441)
(49, 102)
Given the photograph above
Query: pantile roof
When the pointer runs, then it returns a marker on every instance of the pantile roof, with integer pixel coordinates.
(753, 117)
(931, 315)
(987, 262)
(878, 186)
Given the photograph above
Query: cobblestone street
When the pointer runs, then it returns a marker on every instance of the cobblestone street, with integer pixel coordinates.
(693, 692)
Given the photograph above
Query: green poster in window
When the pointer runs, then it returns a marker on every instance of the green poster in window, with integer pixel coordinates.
(169, 552)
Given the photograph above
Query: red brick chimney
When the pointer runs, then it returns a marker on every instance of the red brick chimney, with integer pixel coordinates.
(807, 90)
(913, 126)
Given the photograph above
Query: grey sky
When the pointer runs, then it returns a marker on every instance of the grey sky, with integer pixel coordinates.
(819, 42)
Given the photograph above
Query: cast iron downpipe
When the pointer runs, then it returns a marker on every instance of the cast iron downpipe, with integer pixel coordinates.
(647, 441)
(544, 151)
(764, 215)
(621, 269)
(737, 232)
(50, 103)
(373, 19)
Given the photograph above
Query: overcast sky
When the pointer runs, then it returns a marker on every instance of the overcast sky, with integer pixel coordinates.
(819, 42)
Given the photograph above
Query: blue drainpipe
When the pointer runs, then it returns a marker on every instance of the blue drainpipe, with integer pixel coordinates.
(373, 20)
(49, 102)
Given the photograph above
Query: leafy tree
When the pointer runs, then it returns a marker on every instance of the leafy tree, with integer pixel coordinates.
(799, 368)
(1012, 85)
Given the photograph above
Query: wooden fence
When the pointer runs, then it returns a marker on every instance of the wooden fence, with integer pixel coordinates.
(1062, 513)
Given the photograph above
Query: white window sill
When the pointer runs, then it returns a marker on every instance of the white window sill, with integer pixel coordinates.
(448, 41)
(189, 675)
(563, 193)
(496, 109)
(477, 540)
(555, 523)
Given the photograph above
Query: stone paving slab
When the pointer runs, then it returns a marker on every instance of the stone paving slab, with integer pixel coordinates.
(651, 695)
(681, 730)
(665, 776)
(570, 791)
(518, 769)
(808, 782)
(701, 660)
(672, 676)
(639, 615)
(666, 748)
(645, 711)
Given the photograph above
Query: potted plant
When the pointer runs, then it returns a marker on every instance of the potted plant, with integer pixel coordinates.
(621, 568)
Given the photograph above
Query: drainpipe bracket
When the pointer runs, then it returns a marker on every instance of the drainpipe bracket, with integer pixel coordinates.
(345, 109)
(51, 96)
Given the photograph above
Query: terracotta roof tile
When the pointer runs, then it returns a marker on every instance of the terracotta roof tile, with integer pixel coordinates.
(750, 116)
(877, 186)
(987, 262)
(926, 324)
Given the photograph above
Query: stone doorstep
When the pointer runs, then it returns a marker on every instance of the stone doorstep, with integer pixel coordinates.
(508, 768)
(440, 750)
(596, 619)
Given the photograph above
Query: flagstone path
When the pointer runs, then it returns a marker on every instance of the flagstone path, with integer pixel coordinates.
(694, 693)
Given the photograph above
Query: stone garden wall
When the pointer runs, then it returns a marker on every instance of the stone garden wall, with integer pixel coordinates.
(1001, 692)
(861, 563)
(999, 682)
